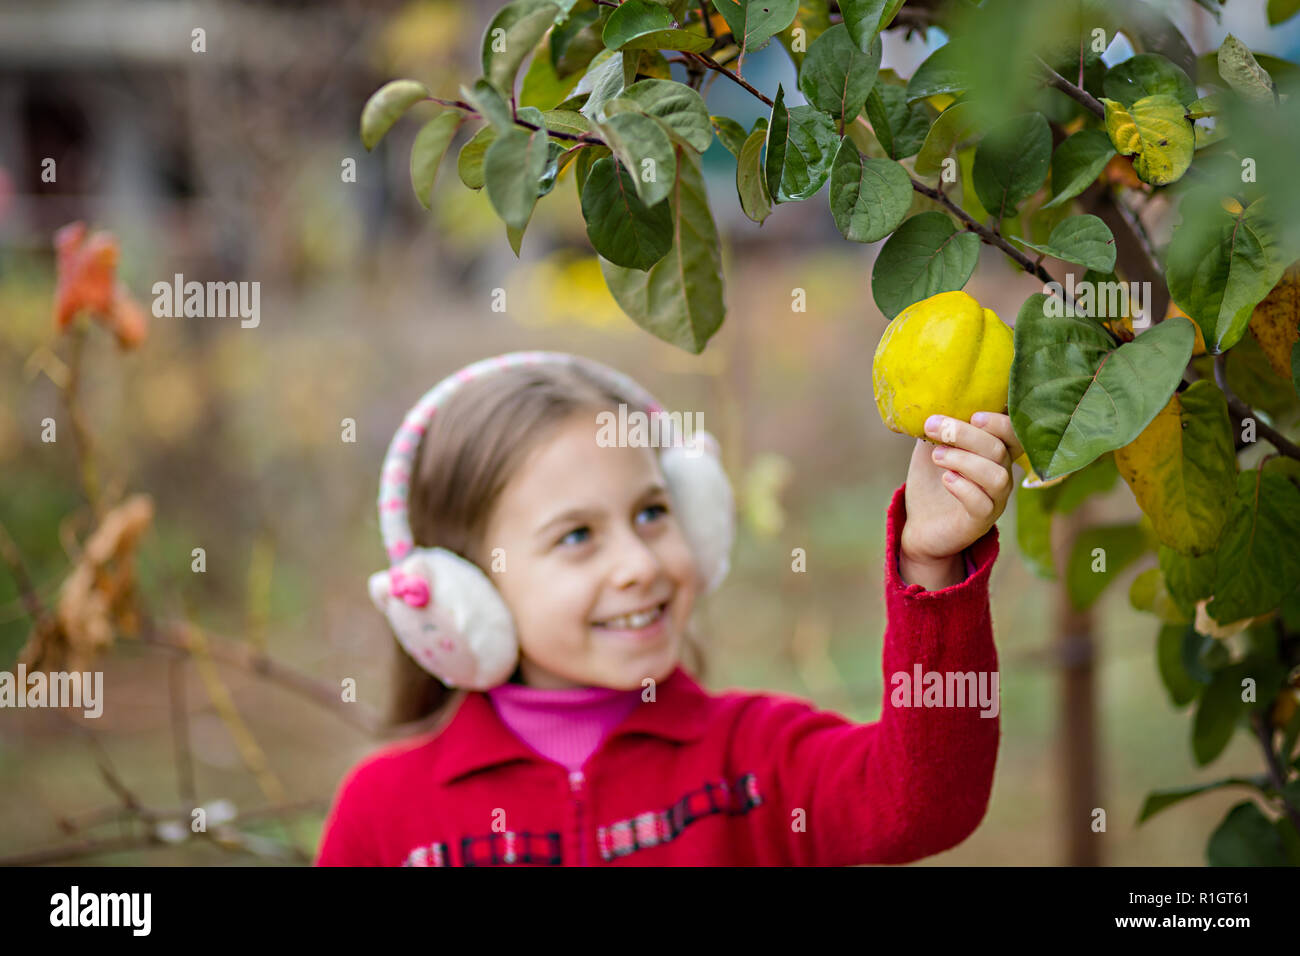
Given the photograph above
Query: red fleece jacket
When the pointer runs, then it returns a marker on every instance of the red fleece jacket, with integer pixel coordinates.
(733, 778)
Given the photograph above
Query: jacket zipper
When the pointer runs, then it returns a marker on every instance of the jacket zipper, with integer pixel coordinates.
(575, 787)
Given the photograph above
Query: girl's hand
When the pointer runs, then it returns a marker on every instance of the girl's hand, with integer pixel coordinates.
(954, 500)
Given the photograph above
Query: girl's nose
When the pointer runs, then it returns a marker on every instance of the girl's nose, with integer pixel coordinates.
(635, 561)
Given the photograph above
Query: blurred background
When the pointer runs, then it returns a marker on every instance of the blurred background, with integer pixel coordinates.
(226, 165)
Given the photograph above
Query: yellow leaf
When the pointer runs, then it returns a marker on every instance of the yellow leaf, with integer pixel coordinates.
(1276, 321)
(1183, 470)
(1156, 131)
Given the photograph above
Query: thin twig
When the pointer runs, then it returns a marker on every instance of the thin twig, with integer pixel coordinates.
(705, 60)
(1264, 732)
(988, 235)
(1275, 438)
(1056, 81)
(80, 433)
(558, 134)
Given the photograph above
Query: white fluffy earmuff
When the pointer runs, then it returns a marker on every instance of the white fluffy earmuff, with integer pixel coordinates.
(445, 612)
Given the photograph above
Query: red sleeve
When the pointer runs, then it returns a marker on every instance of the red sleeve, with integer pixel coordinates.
(918, 780)
(348, 837)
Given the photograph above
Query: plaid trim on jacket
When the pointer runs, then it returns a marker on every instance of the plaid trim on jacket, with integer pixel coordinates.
(731, 778)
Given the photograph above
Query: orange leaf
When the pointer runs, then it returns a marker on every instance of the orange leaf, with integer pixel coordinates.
(86, 272)
(127, 320)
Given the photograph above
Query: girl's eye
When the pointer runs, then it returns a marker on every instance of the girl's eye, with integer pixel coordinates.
(582, 530)
(662, 509)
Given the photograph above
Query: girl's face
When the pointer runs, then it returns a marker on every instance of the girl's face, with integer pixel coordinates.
(589, 538)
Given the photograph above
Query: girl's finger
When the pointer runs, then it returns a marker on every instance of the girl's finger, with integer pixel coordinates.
(999, 425)
(993, 479)
(977, 504)
(955, 432)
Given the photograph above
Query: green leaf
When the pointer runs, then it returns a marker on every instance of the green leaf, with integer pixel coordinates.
(941, 72)
(900, 128)
(641, 25)
(1075, 396)
(751, 183)
(869, 197)
(1183, 469)
(427, 151)
(1034, 530)
(645, 148)
(510, 36)
(680, 298)
(512, 170)
(576, 41)
(543, 87)
(566, 121)
(552, 171)
(489, 104)
(603, 81)
(1158, 800)
(730, 133)
(1279, 11)
(620, 226)
(1157, 131)
(1220, 266)
(754, 22)
(865, 19)
(385, 106)
(1211, 105)
(813, 19)
(836, 76)
(1085, 240)
(926, 255)
(1148, 593)
(1189, 578)
(1087, 574)
(675, 105)
(1077, 163)
(1147, 74)
(1181, 686)
(1259, 553)
(1011, 162)
(1217, 713)
(587, 157)
(469, 164)
(1246, 838)
(954, 124)
(801, 145)
(1241, 71)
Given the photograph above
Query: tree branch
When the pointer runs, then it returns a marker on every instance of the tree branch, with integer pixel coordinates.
(988, 235)
(1274, 437)
(705, 60)
(1058, 82)
(558, 134)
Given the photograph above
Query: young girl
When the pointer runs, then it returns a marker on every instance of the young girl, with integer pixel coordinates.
(567, 568)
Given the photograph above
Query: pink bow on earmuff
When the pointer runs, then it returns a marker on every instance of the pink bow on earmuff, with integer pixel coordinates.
(410, 588)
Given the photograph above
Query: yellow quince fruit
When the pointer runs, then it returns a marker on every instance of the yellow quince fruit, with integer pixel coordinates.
(945, 355)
